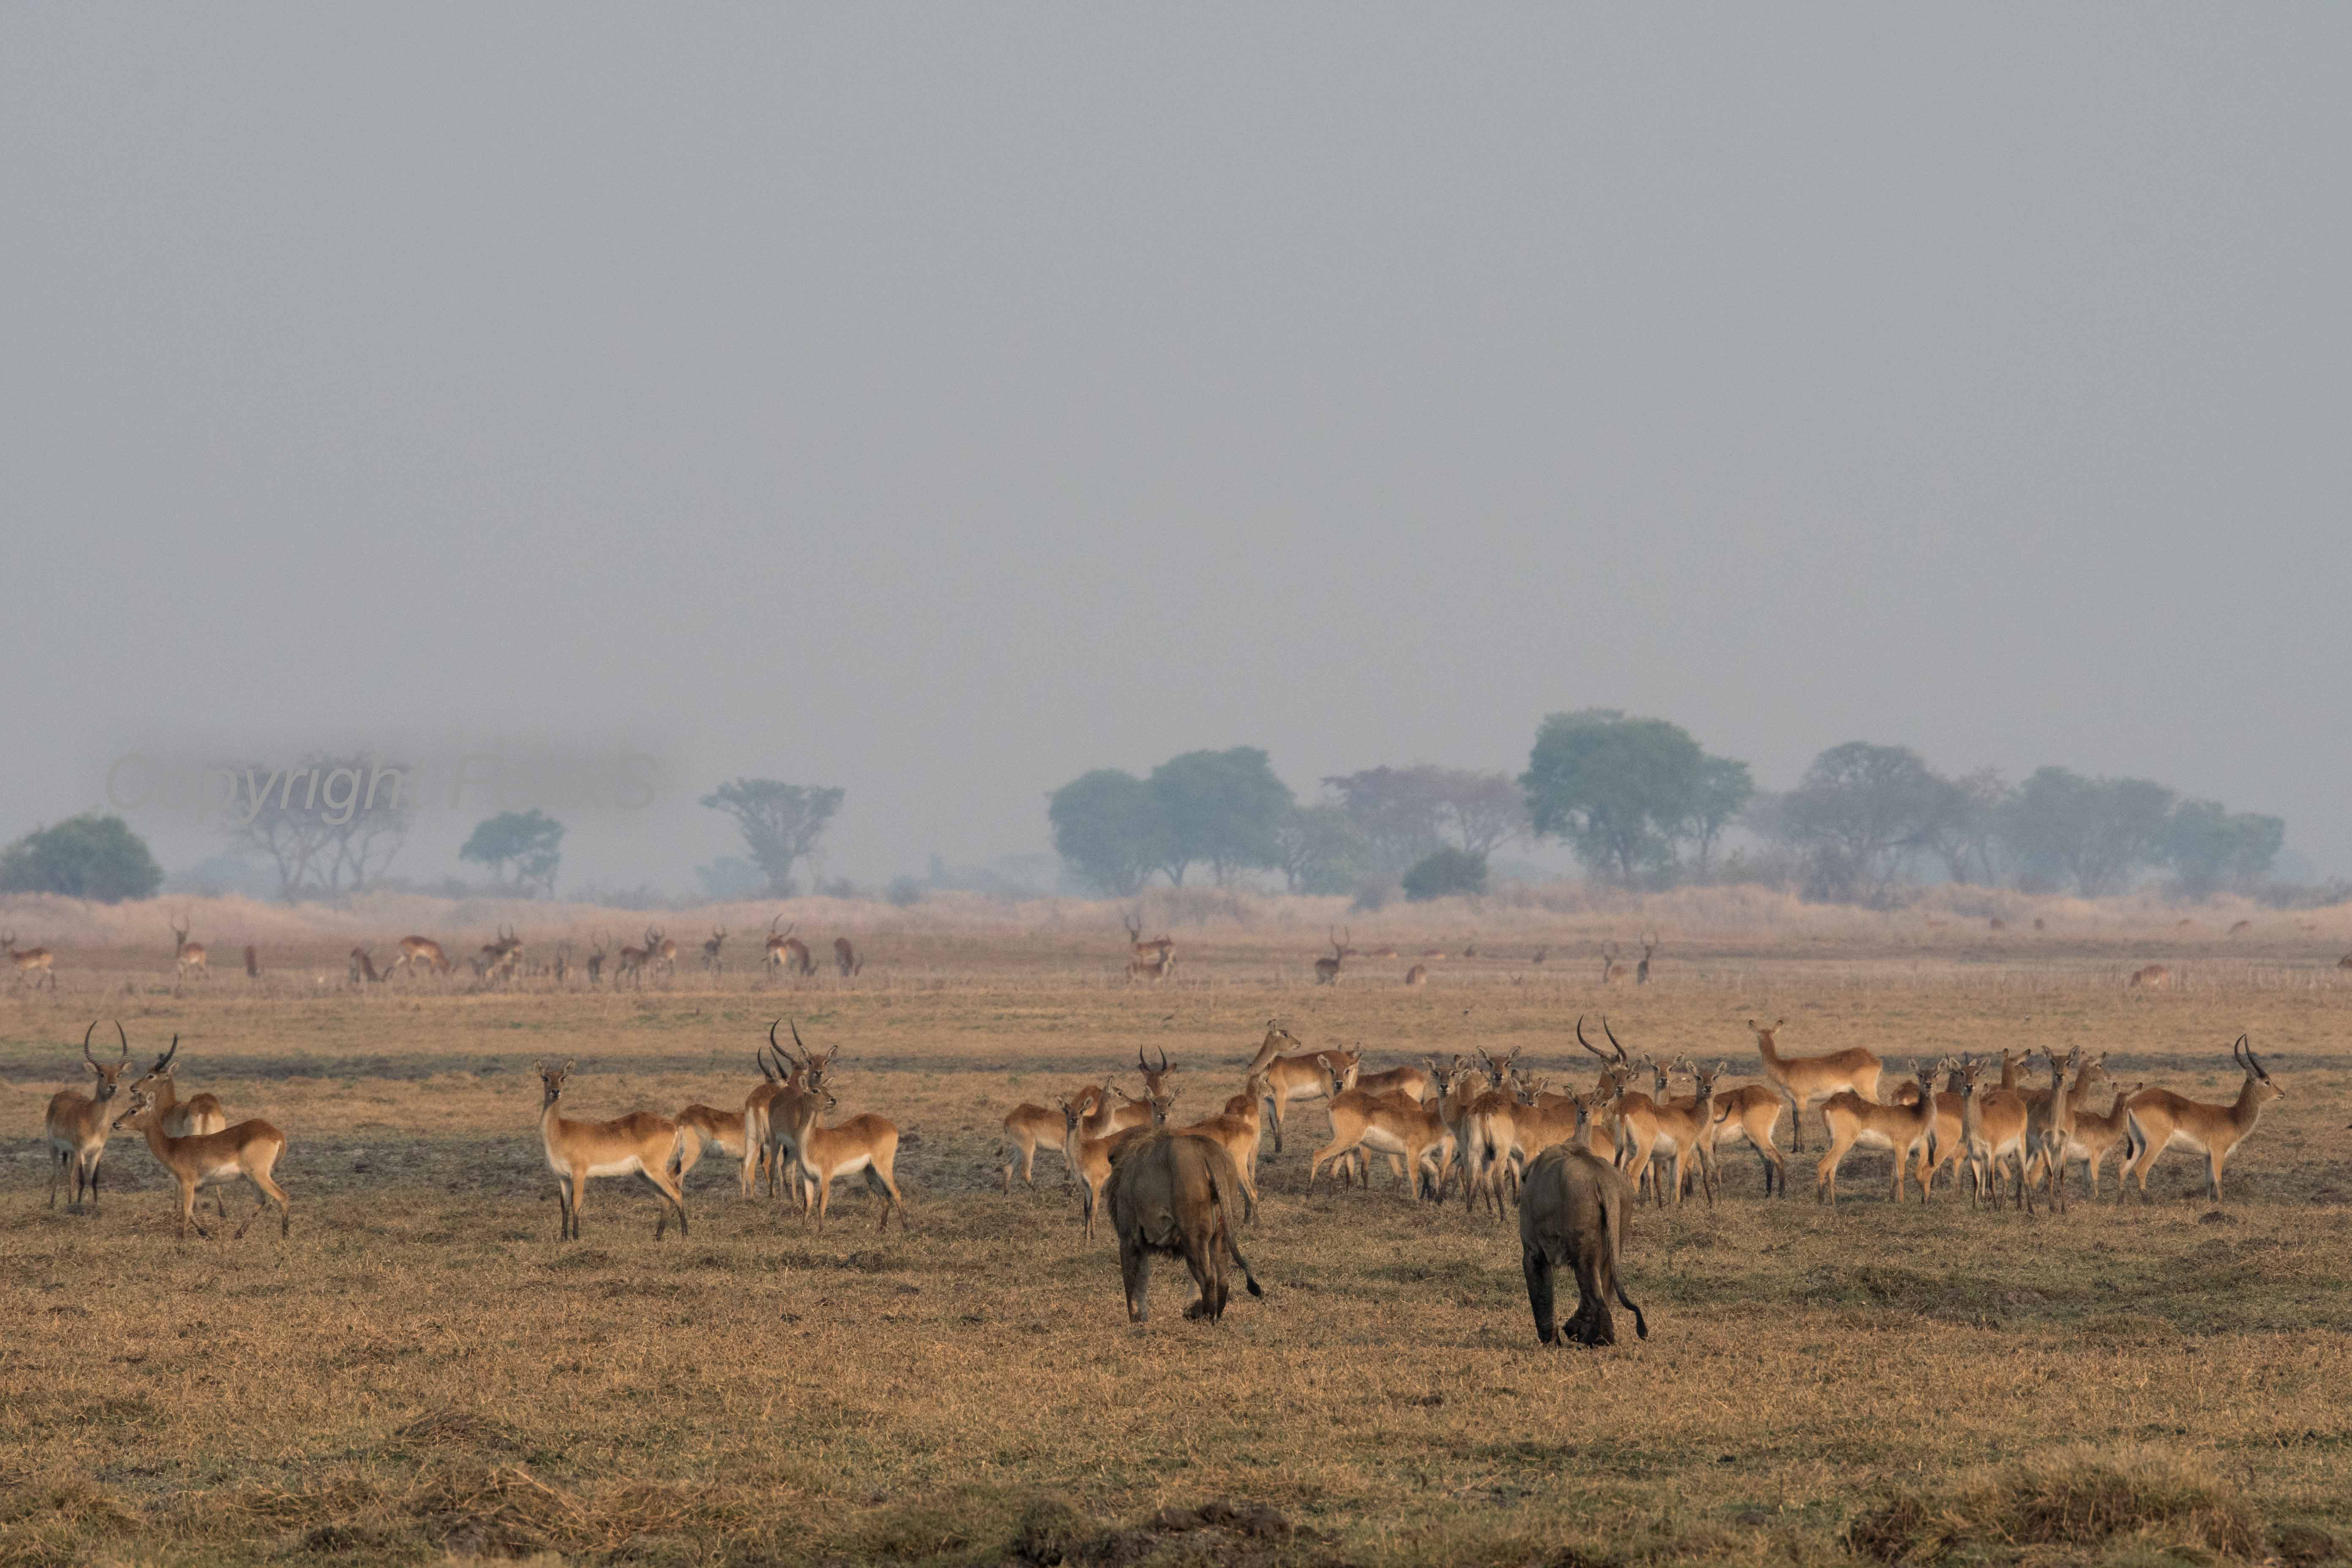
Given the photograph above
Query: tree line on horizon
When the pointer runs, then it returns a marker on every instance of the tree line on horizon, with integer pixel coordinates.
(1637, 800)
(1643, 806)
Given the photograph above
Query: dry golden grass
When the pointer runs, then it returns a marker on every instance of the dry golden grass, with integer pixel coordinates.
(423, 1370)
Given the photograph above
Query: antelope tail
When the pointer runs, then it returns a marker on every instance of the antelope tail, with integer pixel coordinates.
(686, 1133)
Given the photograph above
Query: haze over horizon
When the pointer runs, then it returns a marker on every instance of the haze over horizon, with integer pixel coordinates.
(942, 404)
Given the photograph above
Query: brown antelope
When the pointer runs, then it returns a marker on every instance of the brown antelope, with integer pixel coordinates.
(1856, 1122)
(629, 963)
(1417, 975)
(180, 1117)
(1752, 1111)
(1326, 970)
(1633, 1115)
(640, 1143)
(186, 955)
(1613, 970)
(78, 1123)
(1159, 950)
(252, 961)
(2242, 926)
(766, 1130)
(1028, 1128)
(1805, 1080)
(364, 967)
(2154, 977)
(2049, 1126)
(865, 1143)
(1540, 954)
(1237, 1128)
(1642, 970)
(32, 963)
(1996, 923)
(2159, 1118)
(419, 950)
(1434, 954)
(2345, 962)
(1087, 1140)
(708, 1127)
(249, 1149)
(1386, 950)
(1311, 1075)
(1408, 1080)
(1134, 1110)
(712, 961)
(499, 959)
(847, 959)
(1157, 967)
(2096, 1136)
(1414, 1136)
(1487, 1142)
(597, 944)
(661, 953)
(788, 953)
(1687, 1128)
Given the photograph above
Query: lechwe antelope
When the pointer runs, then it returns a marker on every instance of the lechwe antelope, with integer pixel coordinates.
(2159, 1118)
(2096, 1136)
(249, 1150)
(1572, 1216)
(2049, 1126)
(865, 1143)
(1238, 1127)
(1805, 1079)
(847, 959)
(1417, 975)
(499, 959)
(640, 1143)
(770, 1111)
(1613, 970)
(1091, 1143)
(708, 1127)
(32, 963)
(1173, 1195)
(1642, 970)
(661, 953)
(1326, 970)
(1686, 1130)
(2154, 977)
(1027, 1128)
(1312, 1074)
(710, 951)
(186, 955)
(1159, 949)
(421, 950)
(364, 967)
(788, 953)
(1752, 1111)
(1416, 1138)
(180, 1117)
(78, 1123)
(629, 963)
(1153, 967)
(1858, 1123)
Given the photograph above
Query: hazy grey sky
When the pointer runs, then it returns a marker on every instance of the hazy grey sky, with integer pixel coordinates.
(941, 401)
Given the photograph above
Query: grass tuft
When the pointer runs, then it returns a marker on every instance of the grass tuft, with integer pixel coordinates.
(2073, 1501)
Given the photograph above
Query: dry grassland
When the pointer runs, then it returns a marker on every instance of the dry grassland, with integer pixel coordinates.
(423, 1370)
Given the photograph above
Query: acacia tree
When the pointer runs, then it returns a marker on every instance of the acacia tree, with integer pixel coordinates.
(1108, 824)
(1620, 791)
(1320, 851)
(781, 821)
(1224, 807)
(2096, 833)
(2211, 849)
(528, 843)
(1396, 813)
(329, 825)
(88, 857)
(1858, 810)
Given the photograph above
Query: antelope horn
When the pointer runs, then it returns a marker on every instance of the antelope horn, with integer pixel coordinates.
(86, 1033)
(759, 1059)
(1163, 1058)
(1140, 1064)
(124, 1038)
(796, 1040)
(165, 1059)
(1588, 1045)
(1612, 1036)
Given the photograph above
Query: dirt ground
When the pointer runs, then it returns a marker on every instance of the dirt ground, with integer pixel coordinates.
(423, 1370)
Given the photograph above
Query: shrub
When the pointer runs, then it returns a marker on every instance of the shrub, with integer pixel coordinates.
(83, 857)
(1444, 872)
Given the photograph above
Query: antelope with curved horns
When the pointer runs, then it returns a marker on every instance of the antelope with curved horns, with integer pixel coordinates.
(1237, 1128)
(1642, 970)
(866, 1144)
(188, 1118)
(499, 959)
(710, 959)
(32, 963)
(2159, 1118)
(767, 1132)
(2049, 1126)
(2153, 977)
(629, 963)
(1091, 1143)
(1614, 969)
(847, 959)
(661, 953)
(1030, 1127)
(788, 953)
(1326, 970)
(1137, 1110)
(1158, 948)
(1805, 1080)
(640, 1143)
(186, 955)
(250, 1150)
(78, 1123)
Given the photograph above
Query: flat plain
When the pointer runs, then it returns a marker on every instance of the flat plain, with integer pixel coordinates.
(423, 1371)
